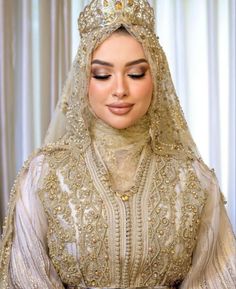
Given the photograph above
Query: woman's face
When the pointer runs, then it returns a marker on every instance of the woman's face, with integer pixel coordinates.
(120, 88)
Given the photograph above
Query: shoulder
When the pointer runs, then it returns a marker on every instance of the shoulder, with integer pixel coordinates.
(209, 182)
(43, 160)
(175, 162)
(188, 170)
(186, 163)
(206, 175)
(53, 155)
(54, 150)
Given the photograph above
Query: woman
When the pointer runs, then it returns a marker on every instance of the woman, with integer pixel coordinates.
(119, 196)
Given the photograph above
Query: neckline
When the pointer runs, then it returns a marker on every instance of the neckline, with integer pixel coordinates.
(139, 177)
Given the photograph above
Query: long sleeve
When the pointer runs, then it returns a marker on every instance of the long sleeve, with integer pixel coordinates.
(213, 263)
(29, 265)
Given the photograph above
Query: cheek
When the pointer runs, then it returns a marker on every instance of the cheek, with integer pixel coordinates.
(92, 90)
(149, 84)
(94, 96)
(97, 91)
(149, 87)
(145, 92)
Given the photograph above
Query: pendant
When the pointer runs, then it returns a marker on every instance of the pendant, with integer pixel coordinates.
(125, 198)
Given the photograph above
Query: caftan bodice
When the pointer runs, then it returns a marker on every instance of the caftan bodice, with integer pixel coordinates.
(88, 235)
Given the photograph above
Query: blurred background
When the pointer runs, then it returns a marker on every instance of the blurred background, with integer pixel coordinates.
(39, 38)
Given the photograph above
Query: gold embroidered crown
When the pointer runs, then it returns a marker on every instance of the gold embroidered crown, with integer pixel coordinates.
(102, 13)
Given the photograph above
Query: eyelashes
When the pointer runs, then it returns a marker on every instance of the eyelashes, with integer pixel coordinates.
(101, 77)
(137, 76)
(107, 76)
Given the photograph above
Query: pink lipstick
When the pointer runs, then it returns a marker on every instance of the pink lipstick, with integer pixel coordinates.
(120, 108)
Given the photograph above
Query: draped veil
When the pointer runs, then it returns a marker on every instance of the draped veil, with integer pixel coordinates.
(168, 129)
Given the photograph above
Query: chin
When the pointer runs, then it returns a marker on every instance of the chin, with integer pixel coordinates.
(120, 125)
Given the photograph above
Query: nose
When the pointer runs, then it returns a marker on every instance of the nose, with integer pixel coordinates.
(120, 87)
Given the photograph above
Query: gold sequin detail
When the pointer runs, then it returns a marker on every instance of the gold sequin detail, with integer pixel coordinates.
(168, 221)
(94, 232)
(136, 12)
(118, 5)
(76, 211)
(105, 3)
(77, 220)
(130, 2)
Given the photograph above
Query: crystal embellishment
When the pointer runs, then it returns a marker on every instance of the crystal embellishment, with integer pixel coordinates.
(118, 5)
(100, 14)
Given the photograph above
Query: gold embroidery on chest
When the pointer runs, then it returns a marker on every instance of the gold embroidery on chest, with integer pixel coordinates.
(78, 227)
(77, 236)
(173, 222)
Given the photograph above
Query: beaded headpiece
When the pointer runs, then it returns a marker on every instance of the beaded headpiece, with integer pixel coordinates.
(102, 13)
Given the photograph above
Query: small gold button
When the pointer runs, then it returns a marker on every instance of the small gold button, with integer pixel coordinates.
(125, 198)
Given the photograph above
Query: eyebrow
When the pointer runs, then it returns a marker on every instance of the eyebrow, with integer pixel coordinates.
(101, 62)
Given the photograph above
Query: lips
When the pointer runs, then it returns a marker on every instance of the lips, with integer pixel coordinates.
(120, 108)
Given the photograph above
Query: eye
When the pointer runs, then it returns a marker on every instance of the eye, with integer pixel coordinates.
(102, 77)
(136, 75)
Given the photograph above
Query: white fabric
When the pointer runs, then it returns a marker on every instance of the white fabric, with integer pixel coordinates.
(29, 246)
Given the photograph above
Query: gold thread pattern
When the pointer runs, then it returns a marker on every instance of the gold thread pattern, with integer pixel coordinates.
(78, 219)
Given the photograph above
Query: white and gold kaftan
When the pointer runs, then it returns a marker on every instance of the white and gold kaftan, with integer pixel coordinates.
(106, 208)
(72, 229)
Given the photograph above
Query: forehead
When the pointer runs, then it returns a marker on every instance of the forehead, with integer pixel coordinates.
(117, 47)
